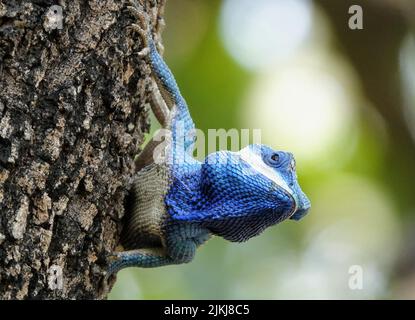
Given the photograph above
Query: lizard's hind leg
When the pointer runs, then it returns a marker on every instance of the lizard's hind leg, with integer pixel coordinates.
(150, 155)
(158, 103)
(159, 106)
(162, 114)
(143, 258)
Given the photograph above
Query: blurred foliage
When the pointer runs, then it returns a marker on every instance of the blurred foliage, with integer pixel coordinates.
(355, 86)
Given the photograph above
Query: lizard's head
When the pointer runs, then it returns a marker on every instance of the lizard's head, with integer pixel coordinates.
(279, 168)
(247, 191)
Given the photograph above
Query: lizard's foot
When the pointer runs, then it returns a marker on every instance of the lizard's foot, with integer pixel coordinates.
(146, 50)
(114, 260)
(142, 28)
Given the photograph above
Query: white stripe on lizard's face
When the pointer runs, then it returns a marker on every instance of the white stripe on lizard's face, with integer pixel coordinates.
(260, 167)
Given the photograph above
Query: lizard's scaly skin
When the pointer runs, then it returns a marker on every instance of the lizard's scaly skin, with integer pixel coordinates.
(147, 208)
(179, 203)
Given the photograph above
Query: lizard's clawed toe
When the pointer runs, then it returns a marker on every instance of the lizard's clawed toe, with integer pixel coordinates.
(143, 35)
(142, 28)
(138, 12)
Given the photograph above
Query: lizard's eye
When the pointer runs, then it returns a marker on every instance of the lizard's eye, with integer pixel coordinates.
(274, 159)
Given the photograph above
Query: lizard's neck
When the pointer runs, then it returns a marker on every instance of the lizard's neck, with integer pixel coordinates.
(185, 191)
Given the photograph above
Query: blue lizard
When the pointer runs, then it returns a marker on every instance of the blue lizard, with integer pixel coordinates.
(178, 203)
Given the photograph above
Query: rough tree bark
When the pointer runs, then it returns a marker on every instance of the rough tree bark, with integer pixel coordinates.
(72, 114)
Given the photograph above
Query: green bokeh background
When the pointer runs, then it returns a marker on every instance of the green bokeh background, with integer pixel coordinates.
(361, 183)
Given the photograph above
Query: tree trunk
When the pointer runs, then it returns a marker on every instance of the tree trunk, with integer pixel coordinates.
(72, 95)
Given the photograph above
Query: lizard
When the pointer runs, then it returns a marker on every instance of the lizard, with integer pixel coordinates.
(177, 203)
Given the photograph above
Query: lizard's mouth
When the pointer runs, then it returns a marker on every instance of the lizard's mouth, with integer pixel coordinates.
(303, 205)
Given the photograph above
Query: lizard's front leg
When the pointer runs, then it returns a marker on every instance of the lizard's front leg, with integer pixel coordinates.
(182, 241)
